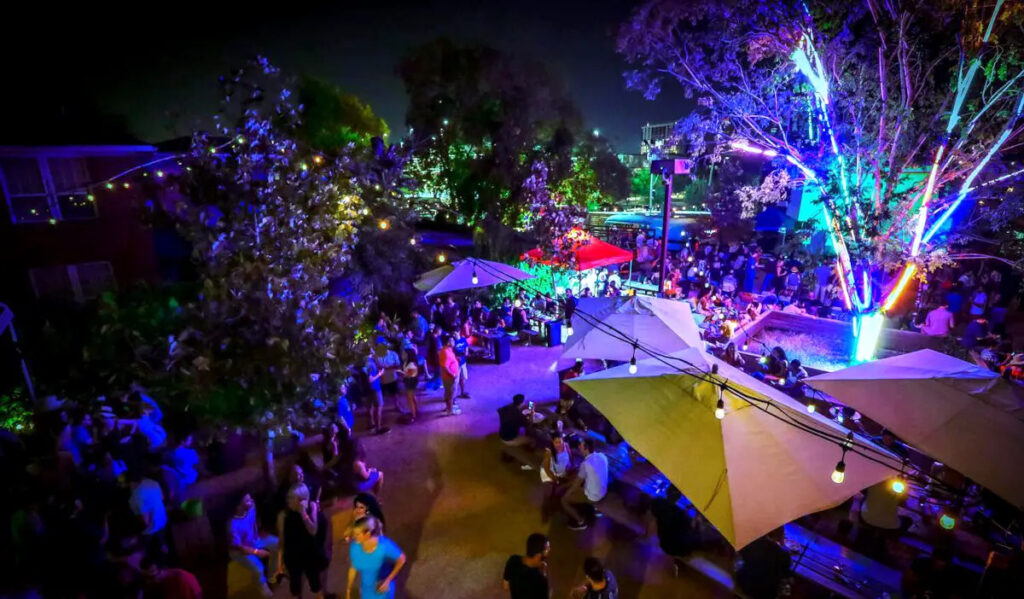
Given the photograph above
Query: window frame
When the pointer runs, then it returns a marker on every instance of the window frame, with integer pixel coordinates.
(50, 192)
(74, 279)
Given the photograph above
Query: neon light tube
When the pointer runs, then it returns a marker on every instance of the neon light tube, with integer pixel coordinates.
(842, 285)
(867, 341)
(894, 295)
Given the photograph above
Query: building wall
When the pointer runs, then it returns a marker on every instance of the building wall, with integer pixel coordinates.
(33, 254)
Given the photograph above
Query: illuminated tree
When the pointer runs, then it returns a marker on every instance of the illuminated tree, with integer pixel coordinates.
(901, 116)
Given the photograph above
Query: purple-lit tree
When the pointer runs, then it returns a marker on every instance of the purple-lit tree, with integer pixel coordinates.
(905, 117)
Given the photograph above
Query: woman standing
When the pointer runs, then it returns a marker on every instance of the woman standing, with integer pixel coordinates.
(364, 504)
(303, 531)
(375, 558)
(410, 379)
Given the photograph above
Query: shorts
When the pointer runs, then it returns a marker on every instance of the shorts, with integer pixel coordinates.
(463, 372)
(367, 485)
(410, 382)
(375, 398)
(390, 389)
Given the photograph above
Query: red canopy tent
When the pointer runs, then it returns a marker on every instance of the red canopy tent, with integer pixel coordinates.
(590, 251)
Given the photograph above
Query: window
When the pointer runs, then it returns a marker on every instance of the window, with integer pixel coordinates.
(78, 282)
(40, 189)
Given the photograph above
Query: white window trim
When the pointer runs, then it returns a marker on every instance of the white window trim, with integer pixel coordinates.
(76, 284)
(49, 188)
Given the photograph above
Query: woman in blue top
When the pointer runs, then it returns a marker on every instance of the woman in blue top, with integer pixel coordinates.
(375, 558)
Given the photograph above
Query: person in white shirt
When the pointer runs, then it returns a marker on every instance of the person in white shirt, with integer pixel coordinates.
(613, 278)
(147, 503)
(939, 322)
(590, 485)
(247, 547)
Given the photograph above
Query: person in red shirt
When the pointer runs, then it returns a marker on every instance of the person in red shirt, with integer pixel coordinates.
(168, 583)
(450, 370)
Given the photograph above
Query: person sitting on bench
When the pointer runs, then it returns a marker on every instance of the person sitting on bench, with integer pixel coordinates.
(590, 485)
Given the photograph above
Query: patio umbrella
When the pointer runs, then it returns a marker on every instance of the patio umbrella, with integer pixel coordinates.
(461, 275)
(749, 472)
(590, 251)
(956, 412)
(661, 324)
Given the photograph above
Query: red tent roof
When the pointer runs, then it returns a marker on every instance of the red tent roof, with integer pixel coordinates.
(590, 251)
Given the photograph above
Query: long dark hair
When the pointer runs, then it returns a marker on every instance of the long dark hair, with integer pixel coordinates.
(372, 506)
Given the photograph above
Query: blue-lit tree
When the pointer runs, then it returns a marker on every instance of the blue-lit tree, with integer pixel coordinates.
(904, 117)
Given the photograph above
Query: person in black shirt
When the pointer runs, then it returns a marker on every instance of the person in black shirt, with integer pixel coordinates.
(526, 577)
(766, 564)
(676, 534)
(600, 582)
(511, 423)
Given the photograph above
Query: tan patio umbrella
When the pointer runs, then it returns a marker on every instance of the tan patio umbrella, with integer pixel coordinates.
(661, 324)
(959, 413)
(470, 273)
(749, 472)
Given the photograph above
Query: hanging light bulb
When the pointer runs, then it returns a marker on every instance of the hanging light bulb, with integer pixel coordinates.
(946, 521)
(442, 258)
(839, 474)
(475, 278)
(383, 224)
(811, 408)
(568, 327)
(898, 486)
(632, 361)
(518, 303)
(720, 409)
(745, 346)
(412, 241)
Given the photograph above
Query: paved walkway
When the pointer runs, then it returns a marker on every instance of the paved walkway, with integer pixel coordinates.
(458, 511)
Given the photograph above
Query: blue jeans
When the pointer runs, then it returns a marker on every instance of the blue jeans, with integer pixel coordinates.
(254, 563)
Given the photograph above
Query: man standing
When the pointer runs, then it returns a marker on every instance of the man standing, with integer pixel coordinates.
(461, 352)
(452, 315)
(526, 576)
(600, 582)
(418, 326)
(449, 366)
(389, 364)
(374, 397)
(939, 322)
(590, 486)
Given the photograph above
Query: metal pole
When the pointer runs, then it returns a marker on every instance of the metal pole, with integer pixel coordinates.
(7, 321)
(666, 215)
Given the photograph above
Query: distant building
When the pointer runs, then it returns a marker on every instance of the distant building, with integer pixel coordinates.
(67, 235)
(654, 137)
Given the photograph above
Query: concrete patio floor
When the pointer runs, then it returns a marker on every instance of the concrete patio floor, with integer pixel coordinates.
(458, 511)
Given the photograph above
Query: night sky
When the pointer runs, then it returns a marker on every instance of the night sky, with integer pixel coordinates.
(160, 70)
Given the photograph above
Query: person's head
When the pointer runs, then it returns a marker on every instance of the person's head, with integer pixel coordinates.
(537, 546)
(331, 430)
(451, 301)
(730, 349)
(298, 496)
(365, 504)
(296, 475)
(134, 478)
(593, 569)
(507, 301)
(456, 334)
(518, 399)
(887, 437)
(366, 528)
(449, 341)
(477, 304)
(794, 365)
(558, 442)
(244, 504)
(568, 292)
(82, 418)
(585, 445)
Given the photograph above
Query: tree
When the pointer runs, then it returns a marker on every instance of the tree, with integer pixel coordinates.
(480, 120)
(896, 113)
(272, 222)
(332, 119)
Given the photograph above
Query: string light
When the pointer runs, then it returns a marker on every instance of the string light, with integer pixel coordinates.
(440, 257)
(720, 409)
(568, 327)
(518, 303)
(839, 474)
(160, 174)
(383, 224)
(811, 408)
(898, 486)
(127, 185)
(412, 241)
(947, 522)
(475, 278)
(632, 361)
(318, 159)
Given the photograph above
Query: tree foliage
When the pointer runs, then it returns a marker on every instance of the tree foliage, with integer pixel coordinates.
(481, 120)
(892, 81)
(333, 119)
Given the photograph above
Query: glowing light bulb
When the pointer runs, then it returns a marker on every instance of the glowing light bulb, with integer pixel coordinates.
(317, 159)
(90, 197)
(632, 365)
(304, 166)
(475, 278)
(240, 139)
(213, 150)
(946, 521)
(839, 474)
(53, 221)
(383, 224)
(898, 486)
(127, 185)
(412, 241)
(109, 185)
(720, 410)
(442, 258)
(745, 346)
(568, 331)
(811, 408)
(689, 258)
(518, 303)
(160, 174)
